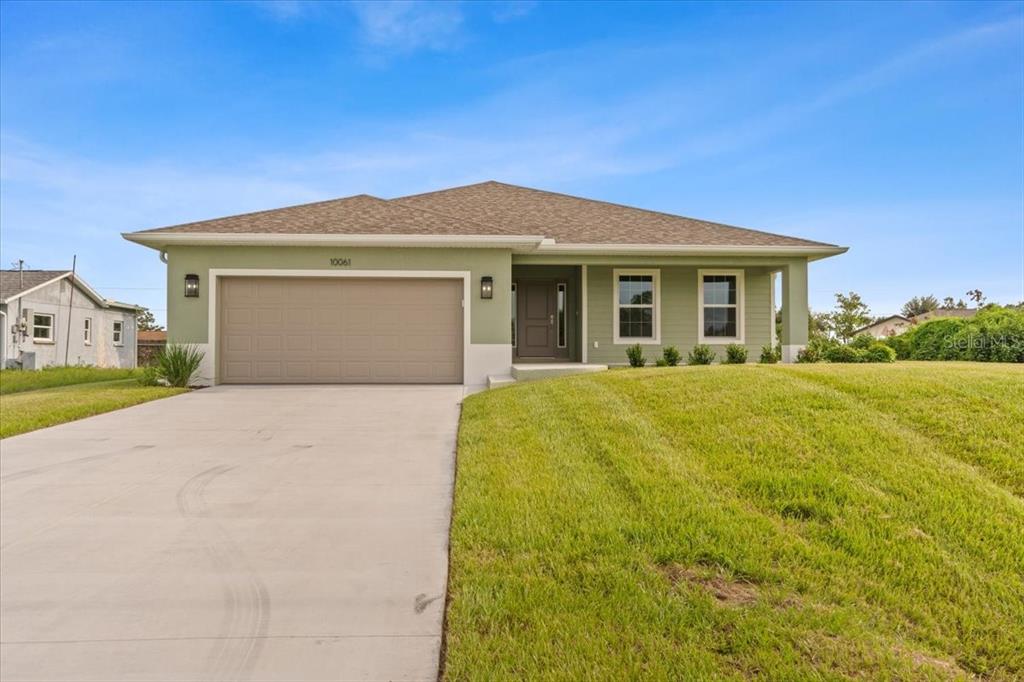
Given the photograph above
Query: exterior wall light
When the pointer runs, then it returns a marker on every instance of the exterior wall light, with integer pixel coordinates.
(486, 287)
(191, 286)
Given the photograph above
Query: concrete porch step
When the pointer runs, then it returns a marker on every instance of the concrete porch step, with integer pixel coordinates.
(495, 380)
(524, 371)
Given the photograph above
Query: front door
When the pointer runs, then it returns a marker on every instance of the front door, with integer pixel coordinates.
(536, 319)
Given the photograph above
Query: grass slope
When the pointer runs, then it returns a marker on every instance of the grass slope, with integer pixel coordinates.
(31, 410)
(793, 522)
(16, 381)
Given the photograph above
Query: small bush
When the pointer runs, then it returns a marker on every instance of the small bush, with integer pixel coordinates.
(661, 362)
(808, 355)
(735, 354)
(879, 352)
(862, 341)
(844, 354)
(635, 353)
(769, 355)
(899, 344)
(672, 356)
(147, 376)
(178, 363)
(700, 355)
(932, 340)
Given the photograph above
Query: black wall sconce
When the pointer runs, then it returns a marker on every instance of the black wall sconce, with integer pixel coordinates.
(191, 286)
(486, 287)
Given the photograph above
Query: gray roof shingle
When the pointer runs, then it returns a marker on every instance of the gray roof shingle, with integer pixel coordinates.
(13, 282)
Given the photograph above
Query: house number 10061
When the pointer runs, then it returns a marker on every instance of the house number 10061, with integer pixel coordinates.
(341, 262)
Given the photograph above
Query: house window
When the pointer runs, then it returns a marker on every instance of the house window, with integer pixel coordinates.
(721, 306)
(514, 307)
(42, 327)
(118, 333)
(561, 315)
(87, 331)
(637, 306)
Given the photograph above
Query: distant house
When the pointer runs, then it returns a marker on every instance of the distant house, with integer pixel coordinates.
(897, 324)
(49, 317)
(151, 343)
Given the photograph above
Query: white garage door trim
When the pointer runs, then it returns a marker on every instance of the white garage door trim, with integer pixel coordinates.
(217, 273)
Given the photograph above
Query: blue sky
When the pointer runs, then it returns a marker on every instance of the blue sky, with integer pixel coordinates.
(895, 129)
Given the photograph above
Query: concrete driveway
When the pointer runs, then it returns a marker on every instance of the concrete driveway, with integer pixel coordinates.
(234, 533)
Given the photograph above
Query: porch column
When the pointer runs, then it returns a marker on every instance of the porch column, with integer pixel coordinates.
(794, 309)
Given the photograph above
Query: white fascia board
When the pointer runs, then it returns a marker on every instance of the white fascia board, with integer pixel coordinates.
(812, 252)
(159, 240)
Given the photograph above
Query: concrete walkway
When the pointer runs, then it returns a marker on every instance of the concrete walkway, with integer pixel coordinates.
(234, 533)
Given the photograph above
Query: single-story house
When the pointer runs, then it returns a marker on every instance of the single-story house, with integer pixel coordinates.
(470, 283)
(52, 317)
(897, 324)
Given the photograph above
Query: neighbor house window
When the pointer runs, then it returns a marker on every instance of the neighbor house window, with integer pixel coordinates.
(118, 333)
(42, 327)
(637, 306)
(87, 331)
(721, 306)
(561, 315)
(514, 307)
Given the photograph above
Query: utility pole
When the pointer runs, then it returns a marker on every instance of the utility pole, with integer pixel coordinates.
(71, 298)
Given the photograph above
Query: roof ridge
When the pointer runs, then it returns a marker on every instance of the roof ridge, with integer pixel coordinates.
(468, 221)
(618, 205)
(266, 210)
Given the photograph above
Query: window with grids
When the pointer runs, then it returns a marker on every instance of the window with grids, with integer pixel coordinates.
(636, 300)
(721, 306)
(87, 331)
(42, 327)
(118, 333)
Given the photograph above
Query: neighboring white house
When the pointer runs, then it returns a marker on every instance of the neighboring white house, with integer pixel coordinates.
(49, 317)
(897, 324)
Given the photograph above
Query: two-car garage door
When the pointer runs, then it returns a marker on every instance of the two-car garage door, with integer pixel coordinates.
(339, 330)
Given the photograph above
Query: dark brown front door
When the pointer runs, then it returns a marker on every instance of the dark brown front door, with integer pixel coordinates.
(536, 317)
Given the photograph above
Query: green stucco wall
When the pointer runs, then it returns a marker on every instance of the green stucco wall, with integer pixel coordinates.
(187, 318)
(679, 320)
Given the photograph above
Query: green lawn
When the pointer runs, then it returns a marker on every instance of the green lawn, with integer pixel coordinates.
(16, 381)
(29, 410)
(791, 522)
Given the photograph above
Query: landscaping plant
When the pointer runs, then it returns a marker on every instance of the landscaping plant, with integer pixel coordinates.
(672, 356)
(735, 354)
(701, 355)
(635, 353)
(769, 355)
(178, 363)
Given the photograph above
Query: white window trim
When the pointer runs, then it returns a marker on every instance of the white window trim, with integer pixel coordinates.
(562, 288)
(630, 340)
(740, 307)
(87, 329)
(116, 333)
(43, 339)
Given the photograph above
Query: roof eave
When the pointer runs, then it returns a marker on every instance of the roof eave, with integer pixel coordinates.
(161, 241)
(811, 252)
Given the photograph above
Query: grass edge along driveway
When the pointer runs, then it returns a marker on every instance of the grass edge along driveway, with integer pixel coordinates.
(29, 410)
(796, 522)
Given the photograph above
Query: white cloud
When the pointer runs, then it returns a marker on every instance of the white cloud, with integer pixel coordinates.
(405, 26)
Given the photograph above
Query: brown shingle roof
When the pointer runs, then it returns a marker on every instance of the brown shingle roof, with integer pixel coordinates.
(492, 209)
(574, 220)
(13, 282)
(359, 214)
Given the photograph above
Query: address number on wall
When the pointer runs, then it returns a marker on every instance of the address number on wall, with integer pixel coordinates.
(341, 262)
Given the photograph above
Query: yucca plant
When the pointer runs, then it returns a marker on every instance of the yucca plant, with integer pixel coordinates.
(178, 363)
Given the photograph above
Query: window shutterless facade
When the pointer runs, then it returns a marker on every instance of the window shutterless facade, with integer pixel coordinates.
(42, 327)
(637, 295)
(87, 331)
(118, 333)
(560, 314)
(720, 309)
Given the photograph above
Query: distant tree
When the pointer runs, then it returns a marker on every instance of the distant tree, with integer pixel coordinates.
(146, 322)
(817, 325)
(851, 314)
(976, 296)
(919, 305)
(949, 304)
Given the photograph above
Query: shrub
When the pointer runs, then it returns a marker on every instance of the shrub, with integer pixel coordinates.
(808, 355)
(735, 354)
(769, 355)
(147, 376)
(178, 363)
(635, 353)
(993, 335)
(862, 341)
(661, 362)
(700, 355)
(672, 356)
(844, 354)
(879, 352)
(933, 340)
(900, 345)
